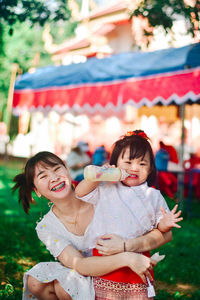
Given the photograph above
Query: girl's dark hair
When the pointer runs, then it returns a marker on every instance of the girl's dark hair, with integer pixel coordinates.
(25, 181)
(139, 145)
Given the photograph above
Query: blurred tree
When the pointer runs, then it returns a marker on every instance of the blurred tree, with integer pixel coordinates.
(21, 27)
(12, 11)
(25, 48)
(164, 12)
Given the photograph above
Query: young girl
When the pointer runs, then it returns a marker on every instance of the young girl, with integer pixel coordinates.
(128, 209)
(63, 229)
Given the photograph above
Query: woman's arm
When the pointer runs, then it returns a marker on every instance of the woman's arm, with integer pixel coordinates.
(100, 265)
(111, 244)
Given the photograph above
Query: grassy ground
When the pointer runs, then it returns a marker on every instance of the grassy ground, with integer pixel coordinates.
(177, 277)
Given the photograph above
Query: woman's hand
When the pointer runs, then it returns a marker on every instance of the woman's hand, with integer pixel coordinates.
(109, 244)
(140, 264)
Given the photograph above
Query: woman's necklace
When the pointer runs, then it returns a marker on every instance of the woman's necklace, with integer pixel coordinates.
(75, 222)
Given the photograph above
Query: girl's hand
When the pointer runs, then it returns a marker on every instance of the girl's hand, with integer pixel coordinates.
(170, 219)
(109, 244)
(141, 265)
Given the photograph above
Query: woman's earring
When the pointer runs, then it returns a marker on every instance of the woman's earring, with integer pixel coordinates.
(40, 218)
(50, 204)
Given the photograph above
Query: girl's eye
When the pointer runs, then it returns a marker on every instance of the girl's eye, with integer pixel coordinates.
(43, 176)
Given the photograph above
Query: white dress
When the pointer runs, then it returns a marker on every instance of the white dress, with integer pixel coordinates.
(56, 237)
(126, 211)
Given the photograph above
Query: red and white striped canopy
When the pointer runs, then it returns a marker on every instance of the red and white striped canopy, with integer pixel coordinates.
(109, 84)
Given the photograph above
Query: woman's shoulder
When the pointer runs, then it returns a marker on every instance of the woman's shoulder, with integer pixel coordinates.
(46, 219)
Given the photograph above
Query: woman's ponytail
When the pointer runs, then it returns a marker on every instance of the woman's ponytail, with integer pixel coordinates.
(25, 193)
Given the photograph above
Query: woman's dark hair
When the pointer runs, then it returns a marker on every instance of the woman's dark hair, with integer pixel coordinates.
(139, 145)
(24, 181)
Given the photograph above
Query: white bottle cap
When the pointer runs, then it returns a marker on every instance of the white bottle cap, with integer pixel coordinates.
(124, 174)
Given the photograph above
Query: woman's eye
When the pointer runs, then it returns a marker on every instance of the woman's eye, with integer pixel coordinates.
(57, 168)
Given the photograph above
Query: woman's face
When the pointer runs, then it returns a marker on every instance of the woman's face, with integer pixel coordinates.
(138, 168)
(52, 182)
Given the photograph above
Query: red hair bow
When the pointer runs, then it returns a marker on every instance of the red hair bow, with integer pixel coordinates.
(137, 132)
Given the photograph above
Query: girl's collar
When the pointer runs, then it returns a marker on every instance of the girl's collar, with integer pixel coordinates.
(143, 185)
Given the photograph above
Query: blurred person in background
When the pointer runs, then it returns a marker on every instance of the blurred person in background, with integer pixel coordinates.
(100, 156)
(78, 159)
(166, 159)
(187, 149)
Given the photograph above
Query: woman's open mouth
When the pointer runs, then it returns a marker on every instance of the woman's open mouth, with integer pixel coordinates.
(59, 187)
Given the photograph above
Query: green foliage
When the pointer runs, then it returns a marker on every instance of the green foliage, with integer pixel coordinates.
(62, 30)
(13, 11)
(20, 247)
(23, 52)
(21, 48)
(21, 25)
(164, 12)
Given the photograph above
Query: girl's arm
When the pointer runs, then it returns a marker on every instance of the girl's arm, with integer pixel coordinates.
(85, 187)
(111, 244)
(100, 265)
(151, 240)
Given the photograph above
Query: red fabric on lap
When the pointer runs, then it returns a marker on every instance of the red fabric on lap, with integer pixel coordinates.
(123, 274)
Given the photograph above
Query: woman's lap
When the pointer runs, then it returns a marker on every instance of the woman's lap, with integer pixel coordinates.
(77, 286)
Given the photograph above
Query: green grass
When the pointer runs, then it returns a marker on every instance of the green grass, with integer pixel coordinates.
(180, 269)
(177, 277)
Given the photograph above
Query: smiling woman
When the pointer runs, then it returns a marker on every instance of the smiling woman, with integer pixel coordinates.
(64, 231)
(46, 179)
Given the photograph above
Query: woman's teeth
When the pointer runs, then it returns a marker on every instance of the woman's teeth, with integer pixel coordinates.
(58, 187)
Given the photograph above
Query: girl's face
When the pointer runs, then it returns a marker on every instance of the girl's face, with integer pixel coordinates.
(138, 168)
(53, 182)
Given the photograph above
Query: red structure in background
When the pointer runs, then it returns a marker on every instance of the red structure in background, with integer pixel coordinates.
(192, 176)
(167, 181)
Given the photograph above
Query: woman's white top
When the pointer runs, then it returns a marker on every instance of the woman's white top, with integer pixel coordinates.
(126, 211)
(56, 238)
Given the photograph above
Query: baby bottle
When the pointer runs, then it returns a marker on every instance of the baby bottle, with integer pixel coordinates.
(95, 173)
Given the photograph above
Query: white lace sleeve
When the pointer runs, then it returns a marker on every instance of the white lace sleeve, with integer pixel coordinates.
(53, 241)
(160, 202)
